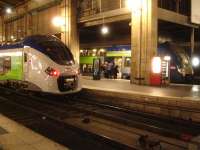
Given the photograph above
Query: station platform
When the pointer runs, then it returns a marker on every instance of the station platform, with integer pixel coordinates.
(182, 101)
(14, 136)
(180, 91)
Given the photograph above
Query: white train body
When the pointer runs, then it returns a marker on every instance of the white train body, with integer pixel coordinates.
(43, 68)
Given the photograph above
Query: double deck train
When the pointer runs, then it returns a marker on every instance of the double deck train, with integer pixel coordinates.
(39, 63)
(180, 69)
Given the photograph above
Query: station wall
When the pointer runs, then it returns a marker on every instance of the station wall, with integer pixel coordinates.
(35, 17)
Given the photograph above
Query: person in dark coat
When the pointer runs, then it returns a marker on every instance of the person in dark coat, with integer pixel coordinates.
(115, 71)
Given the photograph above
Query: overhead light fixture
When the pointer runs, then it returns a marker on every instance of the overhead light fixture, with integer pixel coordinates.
(58, 21)
(8, 10)
(195, 61)
(104, 30)
(134, 5)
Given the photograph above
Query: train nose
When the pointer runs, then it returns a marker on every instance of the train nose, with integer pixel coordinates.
(67, 83)
(74, 71)
(52, 72)
(68, 70)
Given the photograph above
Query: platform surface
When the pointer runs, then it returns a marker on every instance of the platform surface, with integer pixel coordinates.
(13, 136)
(191, 92)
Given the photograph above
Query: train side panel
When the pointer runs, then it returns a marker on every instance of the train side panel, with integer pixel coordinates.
(11, 65)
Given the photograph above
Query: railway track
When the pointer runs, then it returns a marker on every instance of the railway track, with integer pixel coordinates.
(49, 121)
(64, 114)
(170, 110)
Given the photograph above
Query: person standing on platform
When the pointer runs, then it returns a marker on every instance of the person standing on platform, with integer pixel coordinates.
(115, 71)
(110, 68)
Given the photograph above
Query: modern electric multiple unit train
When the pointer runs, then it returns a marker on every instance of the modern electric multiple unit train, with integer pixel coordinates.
(39, 63)
(181, 69)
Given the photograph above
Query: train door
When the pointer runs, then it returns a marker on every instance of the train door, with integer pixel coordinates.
(26, 64)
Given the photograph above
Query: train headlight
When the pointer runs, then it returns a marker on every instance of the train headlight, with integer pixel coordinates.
(167, 58)
(52, 72)
(195, 61)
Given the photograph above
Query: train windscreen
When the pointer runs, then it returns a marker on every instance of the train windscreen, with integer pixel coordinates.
(57, 51)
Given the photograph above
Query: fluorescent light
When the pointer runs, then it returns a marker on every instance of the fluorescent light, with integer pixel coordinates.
(58, 21)
(134, 5)
(195, 61)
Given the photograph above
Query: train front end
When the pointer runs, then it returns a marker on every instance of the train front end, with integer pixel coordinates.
(63, 79)
(64, 72)
(52, 68)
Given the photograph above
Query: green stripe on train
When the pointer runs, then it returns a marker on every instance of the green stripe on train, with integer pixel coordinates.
(118, 54)
(16, 71)
(87, 59)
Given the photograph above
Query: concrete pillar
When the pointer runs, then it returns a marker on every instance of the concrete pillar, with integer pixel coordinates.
(28, 23)
(144, 40)
(177, 6)
(2, 29)
(69, 33)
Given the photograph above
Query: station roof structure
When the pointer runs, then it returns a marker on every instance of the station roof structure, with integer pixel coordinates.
(10, 3)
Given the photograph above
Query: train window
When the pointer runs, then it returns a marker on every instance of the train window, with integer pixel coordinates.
(5, 64)
(1, 65)
(57, 51)
(127, 62)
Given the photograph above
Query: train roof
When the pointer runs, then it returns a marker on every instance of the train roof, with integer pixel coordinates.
(29, 41)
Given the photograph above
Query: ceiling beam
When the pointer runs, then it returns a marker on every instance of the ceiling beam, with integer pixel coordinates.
(170, 16)
(6, 2)
(3, 4)
(124, 14)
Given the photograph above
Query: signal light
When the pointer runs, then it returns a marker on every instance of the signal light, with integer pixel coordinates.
(52, 72)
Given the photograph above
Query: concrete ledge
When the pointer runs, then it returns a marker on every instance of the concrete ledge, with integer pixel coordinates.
(178, 107)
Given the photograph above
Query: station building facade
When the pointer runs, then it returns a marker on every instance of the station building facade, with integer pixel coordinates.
(79, 23)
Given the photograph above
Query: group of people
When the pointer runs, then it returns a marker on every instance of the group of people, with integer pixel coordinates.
(110, 70)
